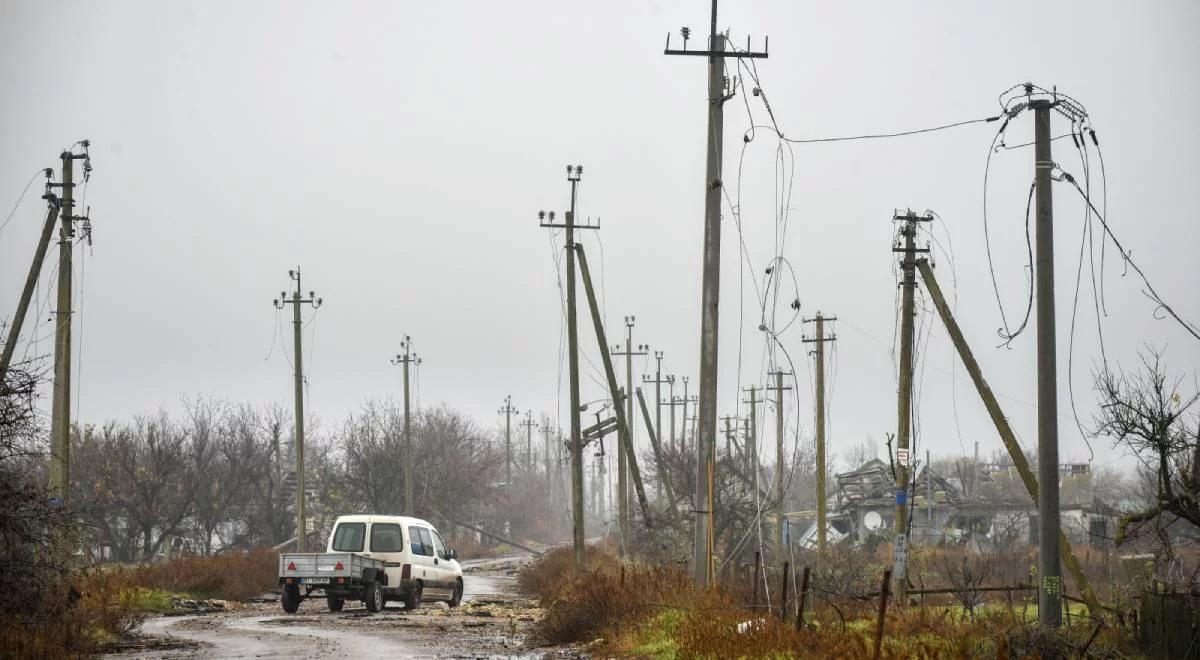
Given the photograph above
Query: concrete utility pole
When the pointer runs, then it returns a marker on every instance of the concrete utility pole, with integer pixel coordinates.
(406, 359)
(574, 174)
(683, 435)
(658, 381)
(908, 231)
(820, 340)
(1005, 431)
(1049, 568)
(507, 411)
(546, 433)
(60, 410)
(779, 460)
(298, 369)
(622, 467)
(729, 431)
(529, 424)
(752, 433)
(39, 258)
(702, 563)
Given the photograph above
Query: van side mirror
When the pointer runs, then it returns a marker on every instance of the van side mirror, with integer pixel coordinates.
(451, 553)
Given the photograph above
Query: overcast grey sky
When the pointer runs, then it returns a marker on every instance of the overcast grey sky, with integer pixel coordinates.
(399, 151)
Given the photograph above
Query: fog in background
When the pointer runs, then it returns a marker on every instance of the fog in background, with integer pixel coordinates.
(399, 151)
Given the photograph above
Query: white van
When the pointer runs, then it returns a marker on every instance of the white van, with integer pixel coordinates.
(417, 563)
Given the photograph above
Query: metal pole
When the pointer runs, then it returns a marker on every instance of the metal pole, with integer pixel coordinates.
(821, 532)
(60, 416)
(904, 407)
(1049, 567)
(35, 269)
(301, 519)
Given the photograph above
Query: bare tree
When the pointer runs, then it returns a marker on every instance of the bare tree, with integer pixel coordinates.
(1146, 412)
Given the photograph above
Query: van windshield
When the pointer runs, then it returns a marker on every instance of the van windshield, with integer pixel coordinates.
(348, 537)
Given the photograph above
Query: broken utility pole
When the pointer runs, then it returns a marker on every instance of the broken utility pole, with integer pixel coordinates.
(409, 458)
(908, 232)
(35, 269)
(702, 559)
(298, 370)
(820, 340)
(1006, 433)
(622, 460)
(574, 174)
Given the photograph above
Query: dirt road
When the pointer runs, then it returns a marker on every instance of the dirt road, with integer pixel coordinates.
(493, 621)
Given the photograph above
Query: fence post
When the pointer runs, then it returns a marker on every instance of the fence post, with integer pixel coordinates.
(783, 603)
(883, 599)
(803, 597)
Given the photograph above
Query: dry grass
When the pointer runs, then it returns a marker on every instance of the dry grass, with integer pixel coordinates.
(74, 619)
(234, 576)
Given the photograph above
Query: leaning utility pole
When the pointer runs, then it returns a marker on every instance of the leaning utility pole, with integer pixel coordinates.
(779, 462)
(1049, 567)
(622, 468)
(60, 410)
(35, 269)
(702, 560)
(820, 340)
(298, 369)
(904, 407)
(409, 457)
(507, 411)
(658, 381)
(574, 174)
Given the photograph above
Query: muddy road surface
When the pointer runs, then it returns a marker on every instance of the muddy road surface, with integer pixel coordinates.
(493, 621)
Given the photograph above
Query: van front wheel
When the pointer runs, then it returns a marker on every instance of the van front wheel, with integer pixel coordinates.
(456, 599)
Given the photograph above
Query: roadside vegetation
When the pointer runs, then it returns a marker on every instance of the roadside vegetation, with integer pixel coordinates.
(626, 609)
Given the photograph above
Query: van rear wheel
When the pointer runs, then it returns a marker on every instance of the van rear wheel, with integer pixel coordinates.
(373, 597)
(413, 600)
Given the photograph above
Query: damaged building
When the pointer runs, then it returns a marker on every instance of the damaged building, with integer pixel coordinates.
(984, 506)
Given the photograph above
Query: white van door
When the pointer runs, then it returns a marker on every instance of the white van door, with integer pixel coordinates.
(387, 545)
(424, 560)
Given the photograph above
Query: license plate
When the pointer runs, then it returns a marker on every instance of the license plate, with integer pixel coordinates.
(314, 580)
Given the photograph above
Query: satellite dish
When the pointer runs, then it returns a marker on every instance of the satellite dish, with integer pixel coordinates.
(873, 521)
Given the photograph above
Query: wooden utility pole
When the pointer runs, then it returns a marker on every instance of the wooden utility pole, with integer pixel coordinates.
(574, 174)
(406, 359)
(658, 381)
(529, 424)
(908, 234)
(702, 560)
(1005, 431)
(60, 410)
(820, 340)
(296, 301)
(507, 411)
(1049, 568)
(622, 468)
(779, 460)
(35, 269)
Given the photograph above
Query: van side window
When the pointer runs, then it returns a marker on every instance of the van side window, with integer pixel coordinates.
(438, 546)
(426, 540)
(419, 543)
(386, 537)
(348, 537)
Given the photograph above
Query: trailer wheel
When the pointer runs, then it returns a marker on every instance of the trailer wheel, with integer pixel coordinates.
(413, 600)
(373, 597)
(335, 604)
(290, 598)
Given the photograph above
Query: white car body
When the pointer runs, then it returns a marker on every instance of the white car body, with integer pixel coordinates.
(418, 564)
